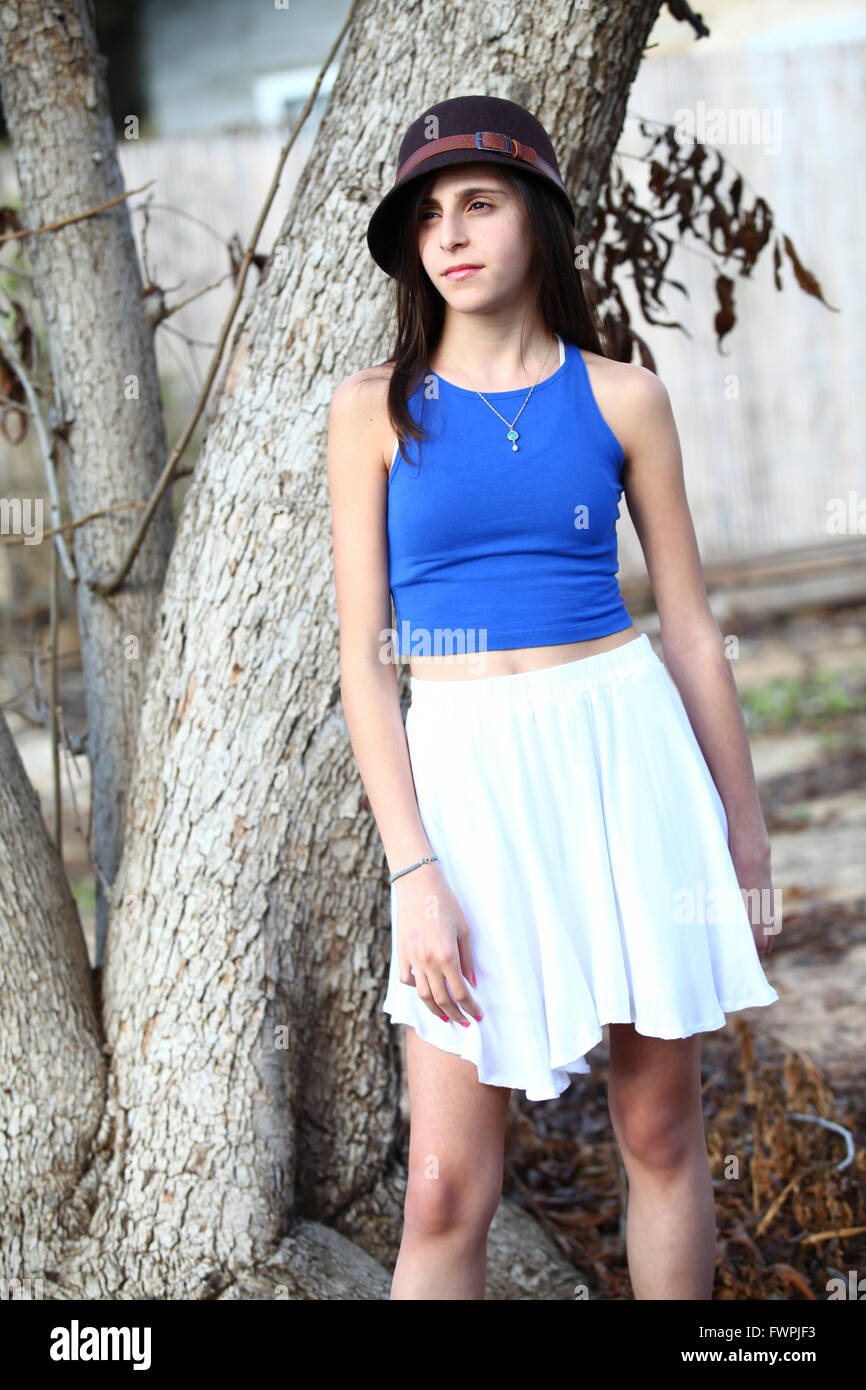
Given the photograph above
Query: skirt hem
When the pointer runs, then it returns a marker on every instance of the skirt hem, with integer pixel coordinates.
(578, 1065)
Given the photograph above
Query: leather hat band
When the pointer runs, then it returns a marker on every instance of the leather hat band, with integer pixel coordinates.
(481, 140)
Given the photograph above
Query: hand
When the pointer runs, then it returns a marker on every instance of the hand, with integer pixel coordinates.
(433, 941)
(754, 876)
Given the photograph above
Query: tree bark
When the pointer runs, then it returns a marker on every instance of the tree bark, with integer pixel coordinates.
(253, 1080)
(50, 1043)
(101, 344)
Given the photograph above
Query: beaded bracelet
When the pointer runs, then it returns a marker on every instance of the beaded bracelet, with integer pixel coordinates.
(400, 872)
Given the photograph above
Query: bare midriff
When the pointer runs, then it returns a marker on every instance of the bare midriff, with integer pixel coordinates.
(511, 662)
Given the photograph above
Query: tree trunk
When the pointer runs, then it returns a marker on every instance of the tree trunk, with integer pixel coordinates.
(89, 287)
(50, 1042)
(254, 1076)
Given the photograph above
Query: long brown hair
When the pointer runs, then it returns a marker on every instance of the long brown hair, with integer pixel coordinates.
(564, 291)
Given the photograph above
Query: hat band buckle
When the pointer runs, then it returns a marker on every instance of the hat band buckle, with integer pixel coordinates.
(511, 146)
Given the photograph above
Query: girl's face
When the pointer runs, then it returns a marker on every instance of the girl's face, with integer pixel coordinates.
(470, 216)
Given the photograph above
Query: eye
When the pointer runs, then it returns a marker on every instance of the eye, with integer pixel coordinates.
(431, 212)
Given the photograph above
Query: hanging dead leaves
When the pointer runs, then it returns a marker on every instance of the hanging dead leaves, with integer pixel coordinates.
(698, 200)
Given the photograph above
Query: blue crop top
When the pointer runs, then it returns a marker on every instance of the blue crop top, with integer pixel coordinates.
(491, 549)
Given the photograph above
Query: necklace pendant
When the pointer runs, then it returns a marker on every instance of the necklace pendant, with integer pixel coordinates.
(513, 435)
(514, 448)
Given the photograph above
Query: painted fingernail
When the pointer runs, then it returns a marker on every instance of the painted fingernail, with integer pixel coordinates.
(445, 1018)
(477, 1018)
(463, 1024)
(474, 981)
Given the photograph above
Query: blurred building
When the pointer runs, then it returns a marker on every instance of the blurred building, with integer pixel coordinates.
(771, 427)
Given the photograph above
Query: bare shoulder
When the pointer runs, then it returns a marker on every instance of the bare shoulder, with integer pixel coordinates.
(366, 384)
(627, 380)
(359, 403)
(627, 394)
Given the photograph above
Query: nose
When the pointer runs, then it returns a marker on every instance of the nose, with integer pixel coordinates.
(451, 230)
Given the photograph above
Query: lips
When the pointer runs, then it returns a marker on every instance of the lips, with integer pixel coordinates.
(457, 272)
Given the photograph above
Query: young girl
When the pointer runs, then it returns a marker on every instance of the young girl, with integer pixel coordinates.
(566, 843)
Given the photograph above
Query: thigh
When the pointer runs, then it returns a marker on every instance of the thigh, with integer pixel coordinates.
(654, 1085)
(456, 1123)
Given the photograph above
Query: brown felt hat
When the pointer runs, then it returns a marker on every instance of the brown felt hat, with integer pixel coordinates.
(463, 130)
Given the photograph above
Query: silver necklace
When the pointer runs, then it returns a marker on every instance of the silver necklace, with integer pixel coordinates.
(512, 432)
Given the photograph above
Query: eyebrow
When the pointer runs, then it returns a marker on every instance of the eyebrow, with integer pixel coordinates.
(461, 193)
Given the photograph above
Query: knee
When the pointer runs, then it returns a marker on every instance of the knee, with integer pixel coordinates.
(658, 1138)
(446, 1203)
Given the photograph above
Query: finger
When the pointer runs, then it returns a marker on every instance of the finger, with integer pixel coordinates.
(425, 994)
(440, 993)
(406, 975)
(463, 995)
(467, 964)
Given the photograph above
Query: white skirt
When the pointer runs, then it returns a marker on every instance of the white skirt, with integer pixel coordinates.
(578, 825)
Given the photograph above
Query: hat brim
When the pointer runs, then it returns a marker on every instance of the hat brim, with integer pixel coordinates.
(383, 225)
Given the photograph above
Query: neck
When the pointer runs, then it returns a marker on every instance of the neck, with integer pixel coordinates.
(494, 356)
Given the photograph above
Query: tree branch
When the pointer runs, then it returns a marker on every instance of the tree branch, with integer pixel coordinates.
(18, 368)
(112, 583)
(71, 525)
(74, 217)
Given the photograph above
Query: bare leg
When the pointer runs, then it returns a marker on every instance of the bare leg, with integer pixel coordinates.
(654, 1096)
(456, 1143)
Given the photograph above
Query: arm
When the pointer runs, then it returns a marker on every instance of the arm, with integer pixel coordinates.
(692, 643)
(368, 686)
(434, 948)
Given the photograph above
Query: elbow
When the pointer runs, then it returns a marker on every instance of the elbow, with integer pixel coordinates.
(694, 638)
(363, 662)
